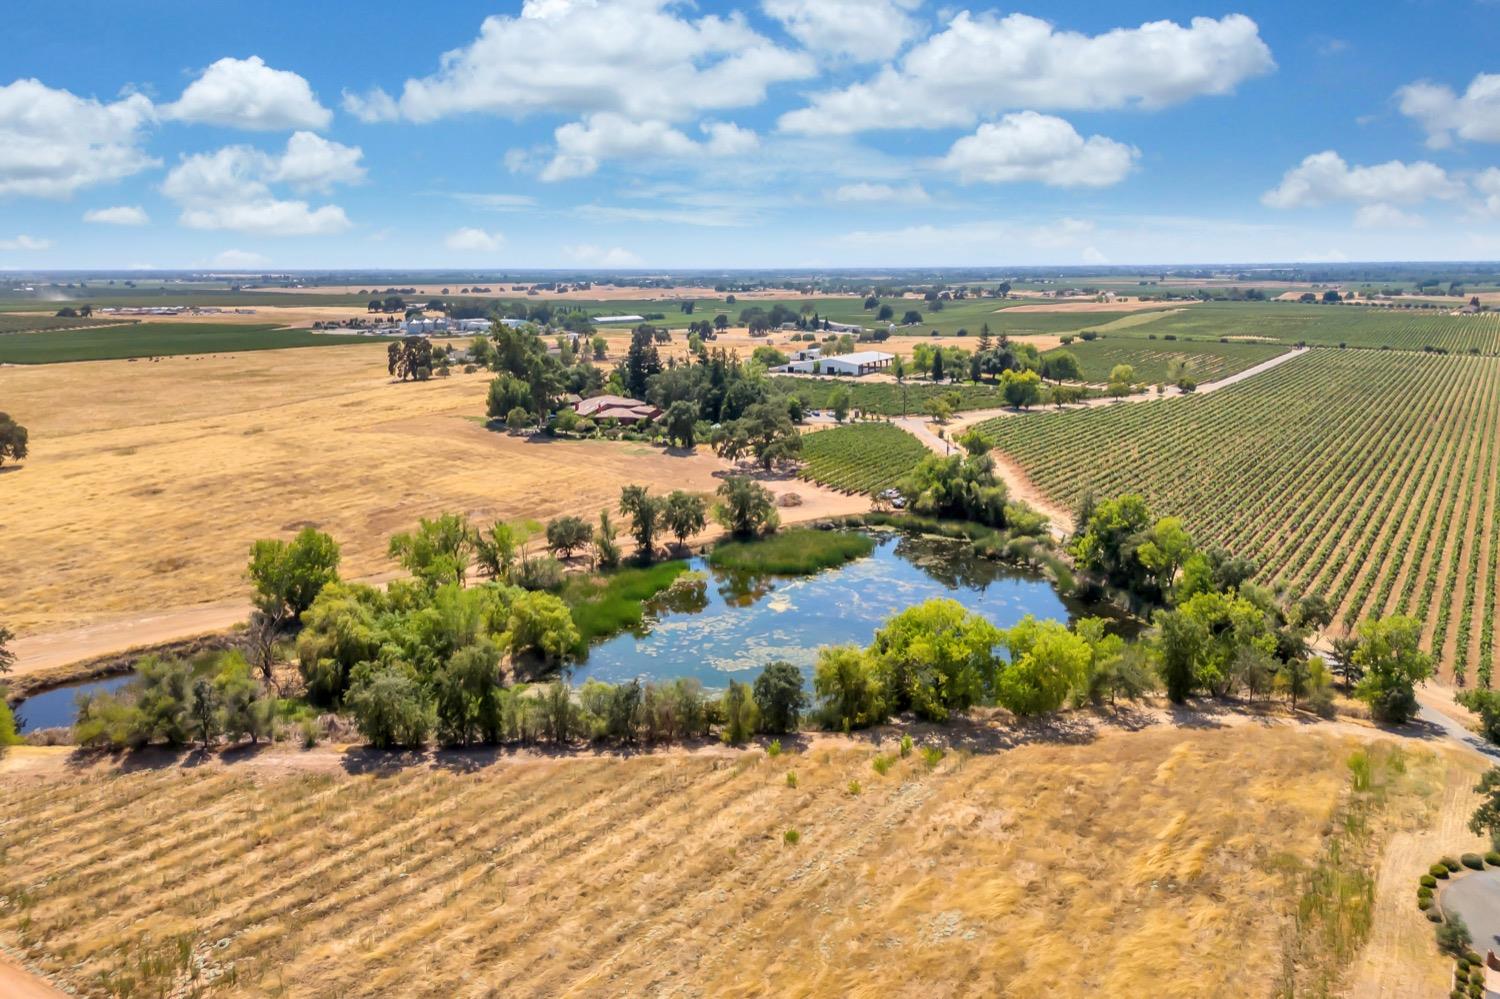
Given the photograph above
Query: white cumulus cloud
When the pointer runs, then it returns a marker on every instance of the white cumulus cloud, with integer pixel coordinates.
(53, 143)
(248, 94)
(1324, 177)
(590, 255)
(860, 30)
(865, 192)
(469, 240)
(25, 242)
(1028, 146)
(1488, 186)
(633, 57)
(230, 187)
(1473, 115)
(984, 64)
(1383, 216)
(583, 145)
(118, 215)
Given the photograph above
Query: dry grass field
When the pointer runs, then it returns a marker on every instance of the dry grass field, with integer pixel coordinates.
(1117, 866)
(148, 480)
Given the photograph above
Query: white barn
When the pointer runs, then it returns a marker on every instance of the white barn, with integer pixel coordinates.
(859, 363)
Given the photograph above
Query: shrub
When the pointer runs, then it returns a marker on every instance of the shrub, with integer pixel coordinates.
(780, 696)
(1424, 892)
(1429, 881)
(1453, 936)
(1424, 904)
(932, 756)
(1438, 871)
(774, 749)
(309, 731)
(791, 778)
(389, 707)
(1450, 863)
(882, 764)
(1472, 861)
(791, 837)
(905, 746)
(1492, 858)
(741, 716)
(854, 787)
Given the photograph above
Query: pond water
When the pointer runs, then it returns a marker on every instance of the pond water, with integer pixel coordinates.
(748, 623)
(56, 708)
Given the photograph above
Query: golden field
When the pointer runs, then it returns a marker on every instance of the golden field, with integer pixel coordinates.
(148, 480)
(1115, 864)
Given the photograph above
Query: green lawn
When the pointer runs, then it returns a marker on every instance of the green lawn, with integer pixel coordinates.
(159, 340)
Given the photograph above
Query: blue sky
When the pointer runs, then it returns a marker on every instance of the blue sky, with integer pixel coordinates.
(777, 133)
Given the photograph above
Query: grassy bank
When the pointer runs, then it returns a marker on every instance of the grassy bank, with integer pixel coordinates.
(796, 552)
(610, 603)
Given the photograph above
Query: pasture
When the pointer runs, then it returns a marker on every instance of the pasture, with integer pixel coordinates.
(998, 871)
(1331, 326)
(1203, 362)
(12, 323)
(1367, 476)
(163, 339)
(147, 495)
(860, 458)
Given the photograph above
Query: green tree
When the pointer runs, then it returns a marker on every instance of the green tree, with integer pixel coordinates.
(641, 362)
(741, 718)
(1486, 818)
(389, 707)
(645, 513)
(1061, 365)
(245, 713)
(684, 514)
(606, 550)
(438, 551)
(838, 401)
(681, 421)
(567, 534)
(1107, 542)
(507, 393)
(849, 687)
(1165, 548)
(780, 696)
(1022, 389)
(937, 658)
(7, 657)
(541, 623)
(746, 507)
(288, 576)
(1047, 661)
(13, 439)
(960, 487)
(496, 549)
(518, 419)
(1393, 663)
(1121, 380)
(467, 697)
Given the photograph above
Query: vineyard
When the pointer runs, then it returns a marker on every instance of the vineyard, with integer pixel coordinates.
(1369, 477)
(861, 458)
(158, 340)
(1205, 362)
(1331, 326)
(36, 324)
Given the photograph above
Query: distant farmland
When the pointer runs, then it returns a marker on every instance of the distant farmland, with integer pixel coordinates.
(157, 340)
(1205, 361)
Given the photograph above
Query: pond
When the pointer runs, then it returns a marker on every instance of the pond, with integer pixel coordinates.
(748, 622)
(56, 708)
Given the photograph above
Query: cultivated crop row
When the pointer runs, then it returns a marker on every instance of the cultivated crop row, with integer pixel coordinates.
(862, 458)
(1331, 326)
(1371, 477)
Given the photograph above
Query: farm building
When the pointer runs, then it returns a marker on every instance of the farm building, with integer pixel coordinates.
(859, 363)
(617, 407)
(619, 319)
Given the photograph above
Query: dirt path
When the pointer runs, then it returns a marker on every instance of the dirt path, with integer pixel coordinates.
(18, 983)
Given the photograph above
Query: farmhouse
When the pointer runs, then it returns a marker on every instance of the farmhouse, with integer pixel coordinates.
(617, 407)
(859, 363)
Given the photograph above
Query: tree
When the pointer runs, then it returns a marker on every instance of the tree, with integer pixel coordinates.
(1046, 662)
(741, 717)
(541, 622)
(838, 401)
(495, 550)
(1061, 365)
(886, 313)
(1486, 818)
(517, 419)
(204, 710)
(507, 392)
(13, 439)
(747, 508)
(684, 514)
(411, 358)
(288, 576)
(566, 534)
(721, 323)
(937, 365)
(912, 318)
(849, 687)
(600, 346)
(467, 696)
(645, 513)
(780, 696)
(1022, 389)
(389, 707)
(936, 658)
(959, 487)
(681, 422)
(1390, 654)
(641, 362)
(1165, 548)
(1121, 380)
(243, 711)
(606, 550)
(438, 551)
(1106, 542)
(7, 657)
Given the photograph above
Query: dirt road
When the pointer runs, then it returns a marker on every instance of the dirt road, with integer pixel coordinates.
(18, 983)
